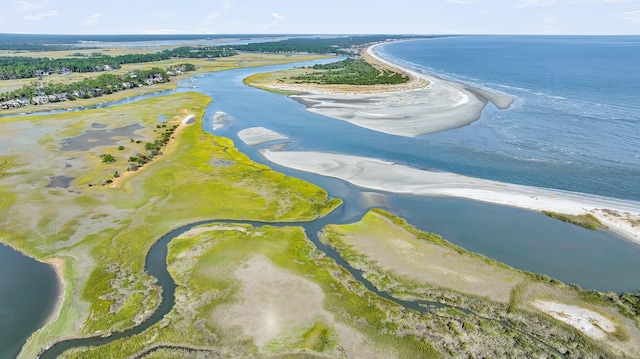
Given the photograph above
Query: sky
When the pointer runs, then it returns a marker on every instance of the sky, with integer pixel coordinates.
(559, 17)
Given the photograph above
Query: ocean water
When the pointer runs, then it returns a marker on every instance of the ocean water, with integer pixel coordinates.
(557, 139)
(575, 123)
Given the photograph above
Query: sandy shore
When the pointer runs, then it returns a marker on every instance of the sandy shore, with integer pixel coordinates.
(425, 104)
(58, 267)
(254, 136)
(622, 217)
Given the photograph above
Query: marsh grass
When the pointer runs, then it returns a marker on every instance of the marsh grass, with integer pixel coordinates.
(104, 228)
(587, 221)
(489, 322)
(203, 266)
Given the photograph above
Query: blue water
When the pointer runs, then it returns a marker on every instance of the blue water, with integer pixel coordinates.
(534, 142)
(575, 124)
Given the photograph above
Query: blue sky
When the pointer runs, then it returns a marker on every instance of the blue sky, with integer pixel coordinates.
(321, 17)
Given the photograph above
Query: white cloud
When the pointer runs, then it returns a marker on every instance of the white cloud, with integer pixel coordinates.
(92, 19)
(532, 3)
(214, 15)
(632, 16)
(24, 6)
(277, 17)
(42, 15)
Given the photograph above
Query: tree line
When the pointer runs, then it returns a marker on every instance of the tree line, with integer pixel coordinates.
(94, 87)
(21, 67)
(350, 72)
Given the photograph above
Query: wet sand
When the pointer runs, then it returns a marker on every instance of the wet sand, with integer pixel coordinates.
(620, 216)
(254, 136)
(425, 104)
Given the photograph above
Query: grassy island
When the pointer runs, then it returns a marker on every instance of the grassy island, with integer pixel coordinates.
(491, 310)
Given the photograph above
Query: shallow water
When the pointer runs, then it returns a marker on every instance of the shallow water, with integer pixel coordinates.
(28, 291)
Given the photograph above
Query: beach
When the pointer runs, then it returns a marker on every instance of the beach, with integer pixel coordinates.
(58, 267)
(622, 217)
(424, 104)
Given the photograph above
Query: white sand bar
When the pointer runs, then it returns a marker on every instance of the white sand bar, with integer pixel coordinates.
(392, 177)
(436, 105)
(258, 135)
(587, 321)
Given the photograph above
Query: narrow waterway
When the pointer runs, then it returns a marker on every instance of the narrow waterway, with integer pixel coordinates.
(156, 265)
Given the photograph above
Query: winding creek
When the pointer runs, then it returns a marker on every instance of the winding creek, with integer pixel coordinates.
(156, 266)
(527, 240)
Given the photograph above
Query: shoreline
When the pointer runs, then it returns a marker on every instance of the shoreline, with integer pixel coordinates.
(622, 217)
(425, 104)
(58, 265)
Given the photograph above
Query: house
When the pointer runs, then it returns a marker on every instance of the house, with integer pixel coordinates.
(40, 99)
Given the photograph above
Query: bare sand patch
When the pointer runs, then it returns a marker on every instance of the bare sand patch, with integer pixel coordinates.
(591, 323)
(393, 177)
(274, 303)
(254, 136)
(220, 120)
(425, 104)
(58, 267)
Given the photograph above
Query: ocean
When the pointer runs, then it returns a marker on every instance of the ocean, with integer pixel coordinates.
(575, 123)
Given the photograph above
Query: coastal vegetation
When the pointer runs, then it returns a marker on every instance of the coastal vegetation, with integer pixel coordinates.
(259, 291)
(105, 231)
(98, 87)
(588, 220)
(20, 67)
(514, 313)
(227, 274)
(341, 45)
(349, 72)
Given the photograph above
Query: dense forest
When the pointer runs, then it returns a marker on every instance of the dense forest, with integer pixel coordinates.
(30, 67)
(350, 72)
(321, 45)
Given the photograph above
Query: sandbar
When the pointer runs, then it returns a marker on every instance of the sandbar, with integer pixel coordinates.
(619, 215)
(254, 136)
(425, 104)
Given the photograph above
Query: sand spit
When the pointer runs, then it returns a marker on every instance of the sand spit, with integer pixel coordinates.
(254, 136)
(621, 216)
(425, 104)
(593, 324)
